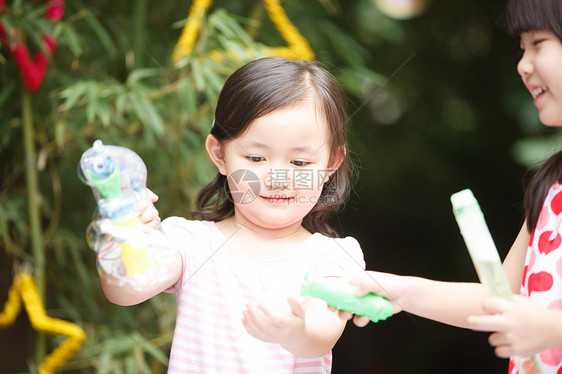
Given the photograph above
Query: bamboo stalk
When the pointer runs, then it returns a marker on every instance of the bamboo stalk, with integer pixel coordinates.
(256, 17)
(139, 25)
(33, 199)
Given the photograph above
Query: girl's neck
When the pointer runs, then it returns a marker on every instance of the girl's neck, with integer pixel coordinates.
(261, 242)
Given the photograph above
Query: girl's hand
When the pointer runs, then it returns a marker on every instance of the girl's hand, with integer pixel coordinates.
(389, 286)
(271, 326)
(521, 327)
(148, 213)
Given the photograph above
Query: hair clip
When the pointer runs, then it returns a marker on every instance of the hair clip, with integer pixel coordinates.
(213, 125)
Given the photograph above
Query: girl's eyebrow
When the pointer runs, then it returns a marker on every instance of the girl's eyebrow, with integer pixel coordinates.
(254, 145)
(296, 148)
(304, 149)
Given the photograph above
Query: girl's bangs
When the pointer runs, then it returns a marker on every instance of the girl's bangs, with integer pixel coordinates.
(525, 15)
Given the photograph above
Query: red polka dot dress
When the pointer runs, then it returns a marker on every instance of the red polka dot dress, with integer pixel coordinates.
(542, 274)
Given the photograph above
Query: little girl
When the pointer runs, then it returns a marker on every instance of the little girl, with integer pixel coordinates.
(532, 324)
(279, 144)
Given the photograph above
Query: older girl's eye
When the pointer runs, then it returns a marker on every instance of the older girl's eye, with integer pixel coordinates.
(299, 163)
(255, 158)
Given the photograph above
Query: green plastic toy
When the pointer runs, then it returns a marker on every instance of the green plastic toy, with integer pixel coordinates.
(341, 295)
(485, 258)
(480, 244)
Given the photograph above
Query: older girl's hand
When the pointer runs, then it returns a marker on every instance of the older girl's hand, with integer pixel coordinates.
(387, 285)
(521, 327)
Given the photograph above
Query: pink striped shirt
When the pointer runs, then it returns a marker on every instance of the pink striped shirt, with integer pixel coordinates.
(218, 283)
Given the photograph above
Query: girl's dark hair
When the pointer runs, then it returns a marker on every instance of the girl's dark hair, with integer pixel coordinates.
(523, 16)
(549, 173)
(527, 15)
(259, 88)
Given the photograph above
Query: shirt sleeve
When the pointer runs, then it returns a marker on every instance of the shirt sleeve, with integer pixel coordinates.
(343, 256)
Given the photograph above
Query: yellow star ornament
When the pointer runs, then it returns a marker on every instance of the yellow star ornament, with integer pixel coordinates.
(297, 45)
(24, 289)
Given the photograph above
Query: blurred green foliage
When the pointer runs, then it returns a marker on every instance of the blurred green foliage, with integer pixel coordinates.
(95, 89)
(435, 106)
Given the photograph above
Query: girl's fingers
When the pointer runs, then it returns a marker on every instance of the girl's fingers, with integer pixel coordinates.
(497, 339)
(496, 305)
(346, 316)
(488, 322)
(296, 307)
(153, 197)
(361, 321)
(149, 214)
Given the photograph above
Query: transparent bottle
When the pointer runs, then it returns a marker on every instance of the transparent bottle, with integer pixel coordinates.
(129, 253)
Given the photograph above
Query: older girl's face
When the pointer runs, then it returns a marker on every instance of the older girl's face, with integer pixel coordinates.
(540, 70)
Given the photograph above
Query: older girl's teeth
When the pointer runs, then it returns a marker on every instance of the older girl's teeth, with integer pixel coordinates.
(536, 92)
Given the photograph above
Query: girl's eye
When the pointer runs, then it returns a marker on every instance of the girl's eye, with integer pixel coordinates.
(255, 158)
(538, 41)
(299, 163)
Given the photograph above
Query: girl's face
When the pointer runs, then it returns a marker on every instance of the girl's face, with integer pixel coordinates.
(540, 70)
(277, 168)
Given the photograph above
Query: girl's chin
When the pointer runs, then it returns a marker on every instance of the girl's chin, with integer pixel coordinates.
(551, 120)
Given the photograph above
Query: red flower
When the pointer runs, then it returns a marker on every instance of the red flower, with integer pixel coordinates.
(33, 70)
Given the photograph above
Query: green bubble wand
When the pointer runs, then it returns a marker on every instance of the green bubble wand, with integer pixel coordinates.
(341, 295)
(486, 259)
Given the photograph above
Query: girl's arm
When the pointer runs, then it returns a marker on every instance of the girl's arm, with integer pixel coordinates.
(515, 259)
(446, 302)
(305, 332)
(126, 295)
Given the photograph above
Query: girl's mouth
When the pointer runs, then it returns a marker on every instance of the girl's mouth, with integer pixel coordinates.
(536, 92)
(276, 199)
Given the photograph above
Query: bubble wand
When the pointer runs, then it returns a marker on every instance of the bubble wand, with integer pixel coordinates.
(132, 255)
(485, 258)
(117, 176)
(341, 295)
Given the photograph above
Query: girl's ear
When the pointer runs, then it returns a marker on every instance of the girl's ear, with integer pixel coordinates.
(216, 153)
(337, 159)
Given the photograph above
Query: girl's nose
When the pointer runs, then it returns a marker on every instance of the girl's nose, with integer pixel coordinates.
(525, 66)
(277, 179)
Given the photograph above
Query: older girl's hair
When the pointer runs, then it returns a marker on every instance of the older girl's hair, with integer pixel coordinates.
(259, 88)
(523, 16)
(548, 174)
(528, 15)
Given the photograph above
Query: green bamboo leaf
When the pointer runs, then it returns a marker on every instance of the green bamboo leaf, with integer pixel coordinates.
(6, 91)
(105, 113)
(102, 35)
(73, 94)
(121, 103)
(231, 24)
(139, 74)
(60, 131)
(92, 96)
(213, 80)
(130, 366)
(152, 350)
(70, 37)
(104, 363)
(187, 96)
(36, 13)
(197, 75)
(145, 111)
